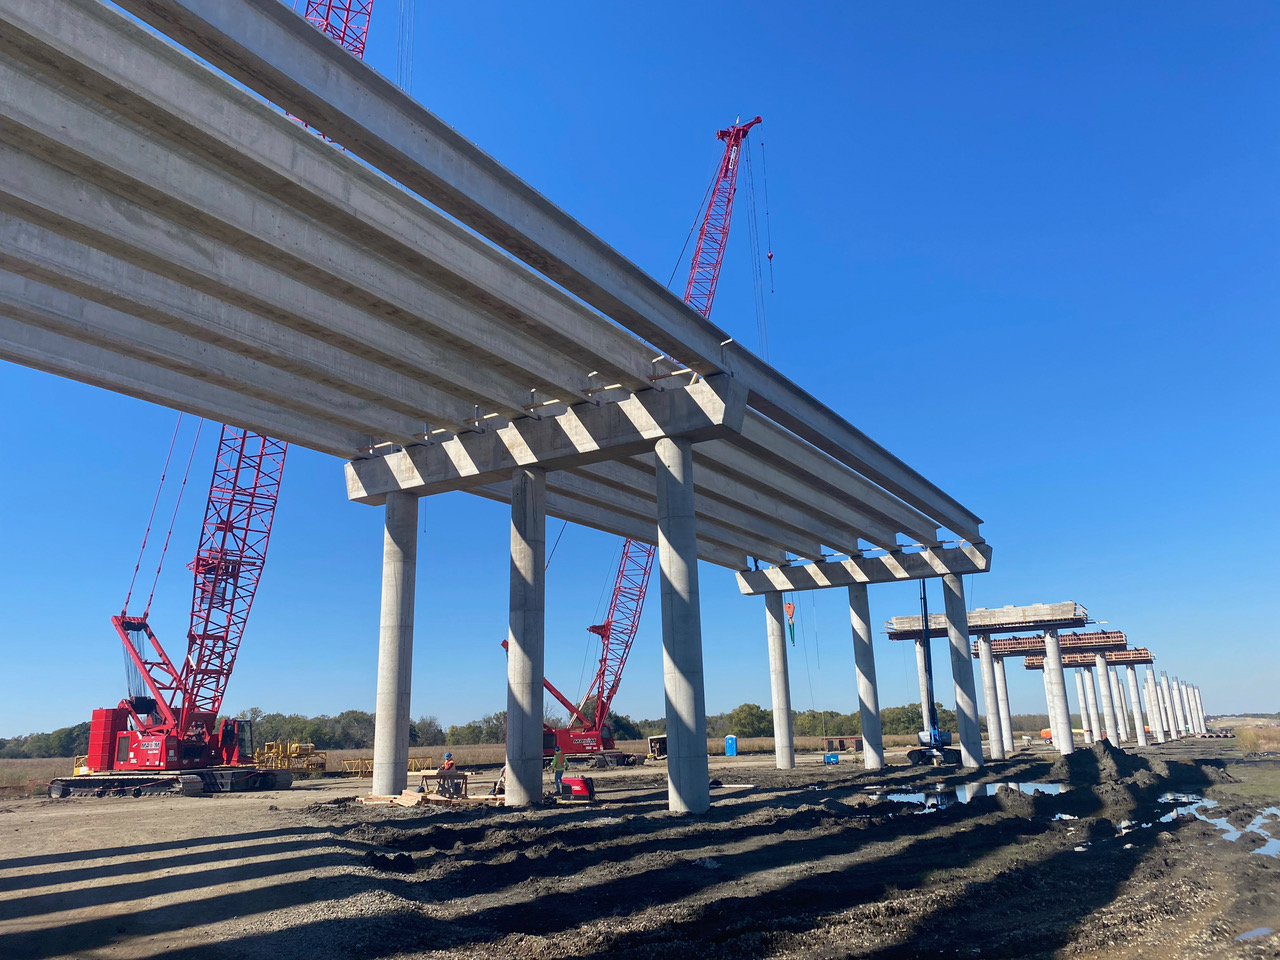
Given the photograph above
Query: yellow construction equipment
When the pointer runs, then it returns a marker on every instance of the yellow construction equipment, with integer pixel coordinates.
(288, 755)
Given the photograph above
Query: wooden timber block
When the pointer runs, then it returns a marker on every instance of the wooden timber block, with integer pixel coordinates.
(377, 801)
(410, 798)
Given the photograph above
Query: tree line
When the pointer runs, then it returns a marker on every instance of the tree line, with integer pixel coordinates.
(353, 729)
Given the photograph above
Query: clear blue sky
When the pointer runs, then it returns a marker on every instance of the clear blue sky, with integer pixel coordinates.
(1031, 249)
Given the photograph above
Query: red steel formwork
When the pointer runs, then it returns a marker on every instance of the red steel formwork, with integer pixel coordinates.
(1135, 655)
(1022, 646)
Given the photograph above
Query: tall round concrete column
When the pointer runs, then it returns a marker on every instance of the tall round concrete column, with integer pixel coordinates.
(1084, 707)
(922, 672)
(1178, 716)
(1154, 714)
(1186, 708)
(864, 661)
(688, 780)
(1056, 682)
(1002, 697)
(1204, 721)
(1049, 711)
(962, 670)
(395, 646)
(525, 636)
(1108, 703)
(990, 699)
(1166, 698)
(1117, 697)
(1095, 714)
(1139, 729)
(784, 743)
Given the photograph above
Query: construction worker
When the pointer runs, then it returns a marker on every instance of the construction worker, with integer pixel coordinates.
(558, 763)
(450, 784)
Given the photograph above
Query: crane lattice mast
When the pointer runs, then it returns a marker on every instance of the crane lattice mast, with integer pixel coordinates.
(618, 631)
(184, 700)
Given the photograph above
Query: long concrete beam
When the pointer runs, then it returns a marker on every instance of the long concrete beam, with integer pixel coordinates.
(237, 136)
(79, 271)
(76, 360)
(274, 52)
(598, 518)
(91, 323)
(41, 193)
(582, 434)
(628, 476)
(771, 541)
(724, 457)
(936, 562)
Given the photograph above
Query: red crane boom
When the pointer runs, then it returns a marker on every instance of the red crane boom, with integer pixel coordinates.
(169, 721)
(588, 730)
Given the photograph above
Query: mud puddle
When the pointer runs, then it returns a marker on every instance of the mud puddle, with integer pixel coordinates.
(1190, 804)
(943, 797)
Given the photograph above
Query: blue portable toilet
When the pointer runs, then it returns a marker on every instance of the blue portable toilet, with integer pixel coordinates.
(731, 746)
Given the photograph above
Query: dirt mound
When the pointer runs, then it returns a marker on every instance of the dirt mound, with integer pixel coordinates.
(1100, 763)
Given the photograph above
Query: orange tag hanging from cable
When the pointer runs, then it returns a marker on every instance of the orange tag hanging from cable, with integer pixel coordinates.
(791, 620)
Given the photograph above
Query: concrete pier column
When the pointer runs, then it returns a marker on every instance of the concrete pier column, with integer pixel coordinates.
(922, 652)
(1084, 707)
(784, 743)
(1139, 729)
(1178, 716)
(990, 699)
(962, 670)
(1108, 703)
(1166, 702)
(1095, 714)
(526, 628)
(688, 781)
(1056, 681)
(1117, 696)
(864, 661)
(1204, 721)
(1002, 697)
(1154, 714)
(1186, 708)
(395, 646)
(1048, 709)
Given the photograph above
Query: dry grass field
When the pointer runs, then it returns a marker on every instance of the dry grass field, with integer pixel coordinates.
(16, 775)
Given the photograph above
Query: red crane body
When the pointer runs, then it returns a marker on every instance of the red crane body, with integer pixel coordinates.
(588, 731)
(169, 722)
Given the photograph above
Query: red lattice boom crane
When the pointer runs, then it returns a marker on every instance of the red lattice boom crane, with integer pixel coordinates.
(588, 732)
(166, 735)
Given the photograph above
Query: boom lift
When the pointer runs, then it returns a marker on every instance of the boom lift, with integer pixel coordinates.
(588, 733)
(166, 736)
(935, 744)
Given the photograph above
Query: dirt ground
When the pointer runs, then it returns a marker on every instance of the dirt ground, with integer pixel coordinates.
(816, 862)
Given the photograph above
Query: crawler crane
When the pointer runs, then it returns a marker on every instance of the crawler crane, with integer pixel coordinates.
(588, 732)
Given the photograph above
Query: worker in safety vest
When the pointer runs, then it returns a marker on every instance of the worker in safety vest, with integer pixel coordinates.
(558, 763)
(449, 783)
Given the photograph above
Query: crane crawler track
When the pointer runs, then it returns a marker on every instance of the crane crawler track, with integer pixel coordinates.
(193, 783)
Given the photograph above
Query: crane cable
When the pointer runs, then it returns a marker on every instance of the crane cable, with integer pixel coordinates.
(757, 270)
(164, 472)
(697, 219)
(173, 519)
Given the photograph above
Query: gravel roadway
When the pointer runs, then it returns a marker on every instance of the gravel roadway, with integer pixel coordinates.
(815, 862)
